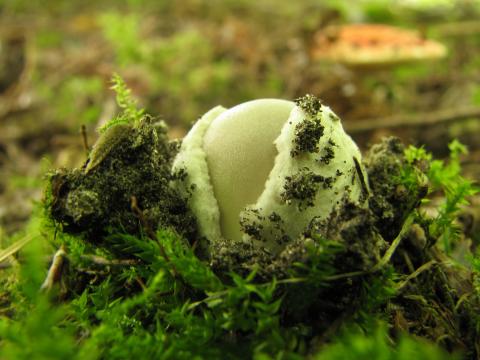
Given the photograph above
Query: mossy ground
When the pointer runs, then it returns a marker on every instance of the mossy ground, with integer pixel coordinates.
(132, 285)
(130, 296)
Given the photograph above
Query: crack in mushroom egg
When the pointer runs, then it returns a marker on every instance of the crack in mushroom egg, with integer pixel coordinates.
(263, 170)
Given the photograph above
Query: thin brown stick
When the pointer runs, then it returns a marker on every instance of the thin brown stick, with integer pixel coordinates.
(83, 131)
(414, 120)
(140, 216)
(98, 260)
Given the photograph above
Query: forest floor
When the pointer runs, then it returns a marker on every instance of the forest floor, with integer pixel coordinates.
(57, 62)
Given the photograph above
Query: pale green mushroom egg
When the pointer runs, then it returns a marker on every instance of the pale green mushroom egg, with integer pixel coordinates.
(261, 171)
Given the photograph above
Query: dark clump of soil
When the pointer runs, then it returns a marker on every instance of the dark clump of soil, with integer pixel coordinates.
(123, 187)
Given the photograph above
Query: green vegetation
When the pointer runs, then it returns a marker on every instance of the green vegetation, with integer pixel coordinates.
(376, 346)
(447, 178)
(126, 282)
(131, 115)
(182, 310)
(148, 295)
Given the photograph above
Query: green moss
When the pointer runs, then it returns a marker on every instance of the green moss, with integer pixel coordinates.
(134, 285)
(167, 303)
(355, 344)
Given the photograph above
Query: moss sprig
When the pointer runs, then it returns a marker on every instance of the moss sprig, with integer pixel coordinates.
(131, 113)
(444, 177)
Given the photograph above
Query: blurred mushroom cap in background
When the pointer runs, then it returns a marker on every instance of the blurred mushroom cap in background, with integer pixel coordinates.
(369, 45)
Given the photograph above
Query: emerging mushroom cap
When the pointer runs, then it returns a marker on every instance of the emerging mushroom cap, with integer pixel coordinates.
(373, 45)
(263, 170)
(241, 152)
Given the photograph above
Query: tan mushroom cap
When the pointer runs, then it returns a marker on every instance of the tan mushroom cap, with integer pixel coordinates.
(373, 45)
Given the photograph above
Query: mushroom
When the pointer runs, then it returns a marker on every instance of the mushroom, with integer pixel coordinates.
(261, 171)
(361, 45)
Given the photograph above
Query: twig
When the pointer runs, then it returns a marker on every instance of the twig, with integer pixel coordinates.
(83, 130)
(140, 216)
(98, 260)
(12, 249)
(414, 120)
(93, 259)
(347, 275)
(55, 271)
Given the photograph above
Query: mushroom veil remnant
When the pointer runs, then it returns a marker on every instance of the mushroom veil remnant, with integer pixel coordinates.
(263, 170)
